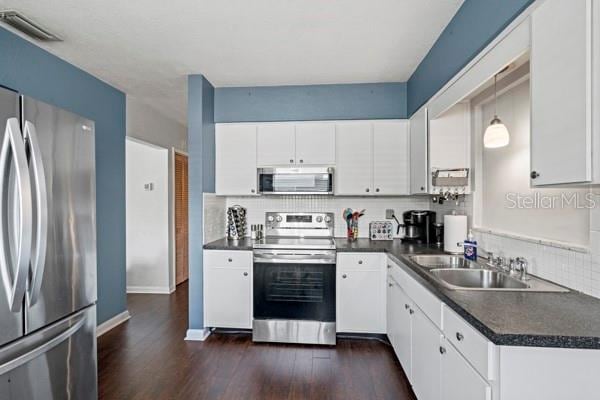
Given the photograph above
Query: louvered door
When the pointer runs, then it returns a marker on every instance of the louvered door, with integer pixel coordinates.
(181, 218)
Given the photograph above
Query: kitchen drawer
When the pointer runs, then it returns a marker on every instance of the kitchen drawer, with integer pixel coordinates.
(479, 351)
(363, 261)
(422, 297)
(225, 258)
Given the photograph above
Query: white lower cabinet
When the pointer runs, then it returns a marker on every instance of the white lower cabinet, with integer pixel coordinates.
(228, 289)
(399, 324)
(419, 328)
(426, 371)
(360, 293)
(458, 379)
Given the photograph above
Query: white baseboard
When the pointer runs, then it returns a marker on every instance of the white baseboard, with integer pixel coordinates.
(112, 323)
(150, 289)
(197, 334)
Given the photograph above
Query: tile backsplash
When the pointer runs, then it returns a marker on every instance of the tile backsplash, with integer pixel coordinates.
(578, 270)
(375, 207)
(214, 217)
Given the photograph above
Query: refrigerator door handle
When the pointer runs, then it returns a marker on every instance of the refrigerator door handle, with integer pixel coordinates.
(31, 352)
(38, 259)
(15, 281)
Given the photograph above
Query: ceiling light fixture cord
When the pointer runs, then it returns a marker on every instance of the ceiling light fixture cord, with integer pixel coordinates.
(495, 95)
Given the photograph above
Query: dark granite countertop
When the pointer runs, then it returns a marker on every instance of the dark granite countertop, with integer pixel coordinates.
(227, 244)
(565, 320)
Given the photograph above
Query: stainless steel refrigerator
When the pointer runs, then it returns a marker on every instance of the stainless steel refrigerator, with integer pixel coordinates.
(47, 252)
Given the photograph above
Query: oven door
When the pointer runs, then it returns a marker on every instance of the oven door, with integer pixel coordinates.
(294, 296)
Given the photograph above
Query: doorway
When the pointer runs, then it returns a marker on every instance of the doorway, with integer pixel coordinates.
(181, 218)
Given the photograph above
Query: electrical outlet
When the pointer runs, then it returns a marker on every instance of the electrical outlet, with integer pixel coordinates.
(389, 213)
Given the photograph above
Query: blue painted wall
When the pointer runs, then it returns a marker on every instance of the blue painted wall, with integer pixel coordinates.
(34, 72)
(474, 26)
(201, 150)
(312, 102)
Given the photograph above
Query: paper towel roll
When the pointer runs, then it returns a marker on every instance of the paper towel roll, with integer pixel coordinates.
(455, 232)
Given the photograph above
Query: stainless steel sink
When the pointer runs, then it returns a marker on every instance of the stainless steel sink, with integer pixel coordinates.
(457, 273)
(478, 279)
(443, 261)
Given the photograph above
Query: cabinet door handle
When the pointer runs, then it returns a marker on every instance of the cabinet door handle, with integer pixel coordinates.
(406, 306)
(344, 276)
(459, 336)
(534, 174)
(367, 190)
(291, 161)
(411, 311)
(230, 259)
(422, 187)
(389, 266)
(301, 161)
(252, 191)
(442, 350)
(359, 262)
(245, 274)
(390, 284)
(377, 190)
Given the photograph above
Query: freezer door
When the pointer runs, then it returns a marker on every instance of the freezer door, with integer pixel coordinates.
(56, 363)
(65, 142)
(11, 323)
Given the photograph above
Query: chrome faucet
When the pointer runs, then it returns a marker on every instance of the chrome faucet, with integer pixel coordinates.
(521, 266)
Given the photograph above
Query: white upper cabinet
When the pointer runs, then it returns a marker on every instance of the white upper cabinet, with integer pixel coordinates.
(315, 143)
(354, 158)
(372, 158)
(235, 159)
(563, 79)
(419, 133)
(390, 158)
(275, 144)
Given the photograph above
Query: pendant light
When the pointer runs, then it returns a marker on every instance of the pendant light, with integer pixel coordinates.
(496, 135)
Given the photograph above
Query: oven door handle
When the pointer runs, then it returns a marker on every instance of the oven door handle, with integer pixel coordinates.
(287, 258)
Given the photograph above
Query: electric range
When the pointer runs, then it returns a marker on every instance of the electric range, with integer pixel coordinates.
(294, 279)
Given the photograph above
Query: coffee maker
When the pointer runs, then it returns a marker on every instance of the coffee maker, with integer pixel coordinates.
(419, 227)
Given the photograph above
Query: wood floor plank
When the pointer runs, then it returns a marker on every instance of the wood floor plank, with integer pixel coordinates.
(147, 358)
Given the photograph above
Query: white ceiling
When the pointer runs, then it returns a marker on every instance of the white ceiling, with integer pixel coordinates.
(147, 47)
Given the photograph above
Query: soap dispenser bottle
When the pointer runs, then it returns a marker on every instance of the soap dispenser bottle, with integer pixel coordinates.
(470, 247)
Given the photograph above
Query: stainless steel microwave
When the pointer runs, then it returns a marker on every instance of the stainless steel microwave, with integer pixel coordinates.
(286, 180)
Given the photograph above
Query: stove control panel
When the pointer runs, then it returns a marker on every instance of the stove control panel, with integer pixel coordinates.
(381, 230)
(315, 224)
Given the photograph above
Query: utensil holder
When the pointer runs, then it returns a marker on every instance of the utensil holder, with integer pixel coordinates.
(352, 232)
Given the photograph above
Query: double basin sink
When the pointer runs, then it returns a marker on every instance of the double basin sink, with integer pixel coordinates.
(457, 273)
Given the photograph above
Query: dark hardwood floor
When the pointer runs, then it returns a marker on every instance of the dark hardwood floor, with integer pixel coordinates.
(147, 358)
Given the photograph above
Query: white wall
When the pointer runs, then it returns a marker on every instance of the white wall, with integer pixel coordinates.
(147, 124)
(147, 234)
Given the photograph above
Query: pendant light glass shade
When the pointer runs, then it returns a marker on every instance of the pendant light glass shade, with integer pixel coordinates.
(496, 135)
